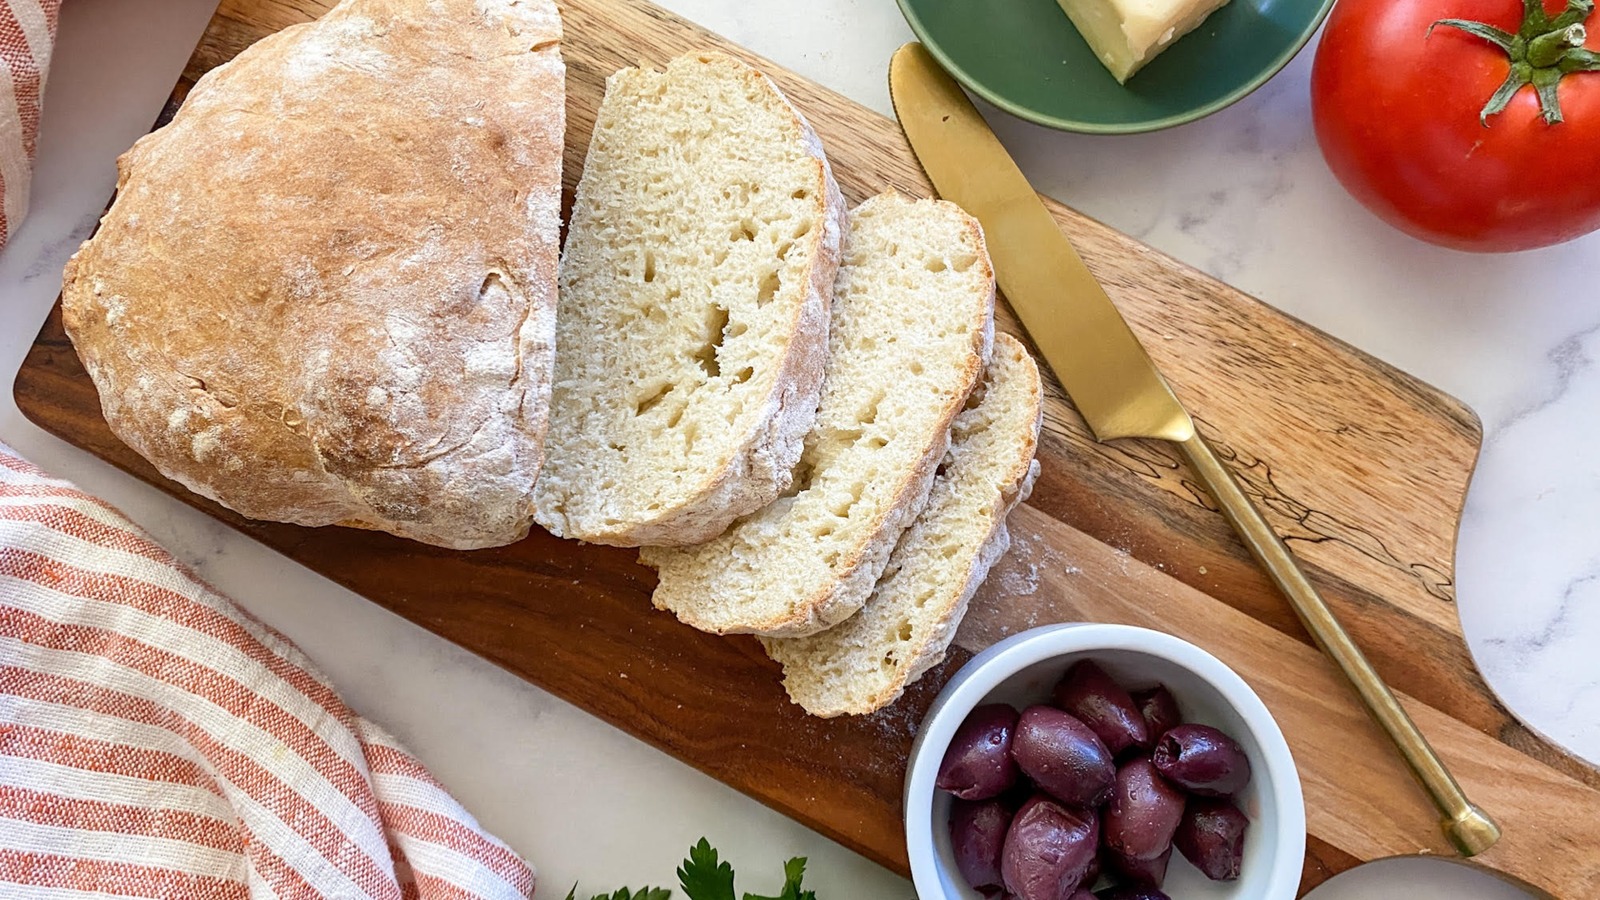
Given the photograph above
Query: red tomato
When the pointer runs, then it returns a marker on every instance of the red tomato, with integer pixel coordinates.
(1397, 112)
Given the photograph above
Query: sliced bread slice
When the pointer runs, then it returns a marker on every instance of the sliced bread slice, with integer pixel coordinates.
(866, 662)
(692, 326)
(912, 331)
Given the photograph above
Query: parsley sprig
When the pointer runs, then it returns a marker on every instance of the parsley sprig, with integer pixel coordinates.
(705, 877)
(622, 894)
(793, 870)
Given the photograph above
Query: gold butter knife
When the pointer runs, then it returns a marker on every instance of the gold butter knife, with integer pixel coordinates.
(1116, 387)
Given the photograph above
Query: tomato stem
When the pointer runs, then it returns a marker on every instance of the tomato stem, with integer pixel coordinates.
(1541, 53)
(1547, 49)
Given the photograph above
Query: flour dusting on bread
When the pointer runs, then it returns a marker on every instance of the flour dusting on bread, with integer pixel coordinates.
(318, 298)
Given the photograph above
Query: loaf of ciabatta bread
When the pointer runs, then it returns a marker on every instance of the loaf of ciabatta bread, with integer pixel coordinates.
(326, 291)
(693, 320)
(911, 333)
(865, 662)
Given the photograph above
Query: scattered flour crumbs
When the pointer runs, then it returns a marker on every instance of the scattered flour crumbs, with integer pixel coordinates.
(896, 719)
(892, 723)
(1018, 574)
(1018, 571)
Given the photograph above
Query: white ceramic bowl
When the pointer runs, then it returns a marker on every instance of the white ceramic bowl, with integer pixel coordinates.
(1023, 669)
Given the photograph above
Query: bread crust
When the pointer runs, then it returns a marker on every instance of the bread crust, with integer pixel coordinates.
(843, 598)
(839, 599)
(927, 647)
(930, 650)
(325, 293)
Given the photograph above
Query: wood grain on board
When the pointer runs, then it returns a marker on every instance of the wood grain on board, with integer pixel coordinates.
(1362, 468)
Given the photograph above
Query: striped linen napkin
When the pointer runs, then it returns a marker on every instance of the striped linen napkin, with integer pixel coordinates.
(158, 741)
(27, 32)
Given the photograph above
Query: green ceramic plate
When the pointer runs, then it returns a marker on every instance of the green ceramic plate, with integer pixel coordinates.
(1025, 57)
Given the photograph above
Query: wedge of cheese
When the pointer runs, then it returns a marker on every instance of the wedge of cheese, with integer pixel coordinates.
(1126, 34)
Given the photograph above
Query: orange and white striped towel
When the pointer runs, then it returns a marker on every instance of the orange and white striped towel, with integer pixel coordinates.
(27, 32)
(158, 741)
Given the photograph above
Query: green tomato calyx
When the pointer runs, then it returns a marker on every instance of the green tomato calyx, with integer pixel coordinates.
(1542, 52)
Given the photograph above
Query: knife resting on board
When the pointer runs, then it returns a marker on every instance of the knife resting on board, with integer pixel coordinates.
(1117, 388)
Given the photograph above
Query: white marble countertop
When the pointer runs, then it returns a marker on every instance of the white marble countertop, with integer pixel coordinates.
(1243, 195)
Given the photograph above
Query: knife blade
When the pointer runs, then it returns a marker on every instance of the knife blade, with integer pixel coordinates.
(1117, 388)
(1110, 378)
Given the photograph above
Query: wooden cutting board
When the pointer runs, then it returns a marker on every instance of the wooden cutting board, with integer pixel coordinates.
(1363, 468)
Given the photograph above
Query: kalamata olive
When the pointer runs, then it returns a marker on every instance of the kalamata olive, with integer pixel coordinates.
(978, 765)
(1143, 813)
(1202, 760)
(1063, 757)
(1048, 848)
(1132, 892)
(1151, 872)
(977, 835)
(1159, 709)
(1211, 836)
(1092, 874)
(1089, 693)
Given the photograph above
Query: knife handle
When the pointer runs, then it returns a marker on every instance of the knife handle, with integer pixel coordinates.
(1467, 826)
